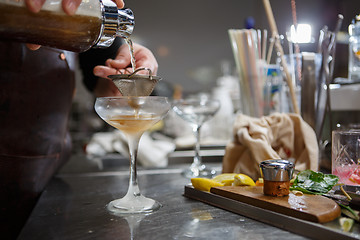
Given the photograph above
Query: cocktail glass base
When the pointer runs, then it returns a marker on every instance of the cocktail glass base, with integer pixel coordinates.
(132, 205)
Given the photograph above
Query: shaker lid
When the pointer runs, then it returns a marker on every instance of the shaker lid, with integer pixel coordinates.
(116, 22)
(277, 170)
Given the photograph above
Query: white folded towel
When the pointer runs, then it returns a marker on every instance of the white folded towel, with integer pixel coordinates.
(151, 153)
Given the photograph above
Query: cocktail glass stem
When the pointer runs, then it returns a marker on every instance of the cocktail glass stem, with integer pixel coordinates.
(197, 169)
(196, 166)
(133, 142)
(133, 201)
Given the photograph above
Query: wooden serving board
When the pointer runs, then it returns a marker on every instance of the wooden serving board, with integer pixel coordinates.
(314, 208)
(251, 203)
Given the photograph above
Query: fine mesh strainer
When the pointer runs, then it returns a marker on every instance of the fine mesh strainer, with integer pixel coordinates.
(135, 84)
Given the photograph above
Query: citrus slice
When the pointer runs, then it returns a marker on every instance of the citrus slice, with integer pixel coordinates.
(243, 180)
(227, 182)
(204, 184)
(355, 178)
(226, 178)
(346, 223)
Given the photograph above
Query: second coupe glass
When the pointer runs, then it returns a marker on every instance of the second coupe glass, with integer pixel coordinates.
(196, 111)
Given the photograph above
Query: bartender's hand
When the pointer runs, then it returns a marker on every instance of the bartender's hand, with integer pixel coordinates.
(69, 7)
(143, 57)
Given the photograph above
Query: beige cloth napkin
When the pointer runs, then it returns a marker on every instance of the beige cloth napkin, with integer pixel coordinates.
(277, 136)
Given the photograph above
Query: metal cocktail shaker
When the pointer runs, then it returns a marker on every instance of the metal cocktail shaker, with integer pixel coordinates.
(96, 23)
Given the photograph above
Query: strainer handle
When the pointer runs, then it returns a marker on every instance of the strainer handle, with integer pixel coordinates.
(140, 69)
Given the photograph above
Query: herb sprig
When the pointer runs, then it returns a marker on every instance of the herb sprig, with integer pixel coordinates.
(312, 182)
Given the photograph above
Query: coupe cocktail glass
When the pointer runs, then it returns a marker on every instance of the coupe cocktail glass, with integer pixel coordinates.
(196, 111)
(133, 116)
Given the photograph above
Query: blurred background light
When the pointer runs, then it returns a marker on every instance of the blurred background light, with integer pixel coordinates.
(300, 35)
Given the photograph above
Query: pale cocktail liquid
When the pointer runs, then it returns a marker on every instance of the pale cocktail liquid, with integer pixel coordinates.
(133, 124)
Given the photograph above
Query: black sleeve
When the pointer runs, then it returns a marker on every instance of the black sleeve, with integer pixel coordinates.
(93, 57)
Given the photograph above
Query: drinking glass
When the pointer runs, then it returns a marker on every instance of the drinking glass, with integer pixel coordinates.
(196, 111)
(346, 156)
(133, 116)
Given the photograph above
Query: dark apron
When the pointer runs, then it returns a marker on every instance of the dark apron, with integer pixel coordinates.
(36, 91)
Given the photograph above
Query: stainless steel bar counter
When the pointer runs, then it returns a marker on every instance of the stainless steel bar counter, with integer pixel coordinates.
(73, 206)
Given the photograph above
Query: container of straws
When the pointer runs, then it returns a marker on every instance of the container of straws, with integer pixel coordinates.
(249, 53)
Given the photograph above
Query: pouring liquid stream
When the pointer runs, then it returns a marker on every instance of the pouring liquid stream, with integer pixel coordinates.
(132, 103)
(131, 49)
(132, 57)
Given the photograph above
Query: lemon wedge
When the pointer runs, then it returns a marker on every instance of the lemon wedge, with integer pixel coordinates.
(243, 180)
(346, 224)
(204, 184)
(226, 178)
(228, 182)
